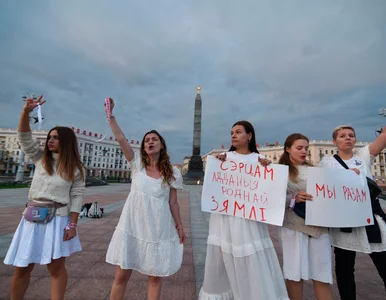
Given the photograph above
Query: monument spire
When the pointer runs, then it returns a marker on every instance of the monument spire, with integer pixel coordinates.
(195, 168)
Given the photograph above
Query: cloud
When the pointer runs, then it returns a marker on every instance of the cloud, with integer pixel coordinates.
(285, 66)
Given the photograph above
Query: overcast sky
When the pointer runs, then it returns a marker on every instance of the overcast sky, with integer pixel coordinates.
(286, 66)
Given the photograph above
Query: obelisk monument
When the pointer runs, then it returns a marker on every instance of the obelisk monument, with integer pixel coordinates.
(195, 168)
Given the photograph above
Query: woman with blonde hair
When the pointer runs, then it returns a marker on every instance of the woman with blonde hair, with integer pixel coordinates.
(368, 239)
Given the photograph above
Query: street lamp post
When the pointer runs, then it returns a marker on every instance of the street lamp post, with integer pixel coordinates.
(20, 168)
(7, 168)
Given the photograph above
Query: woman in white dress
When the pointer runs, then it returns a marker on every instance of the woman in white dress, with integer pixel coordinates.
(349, 241)
(149, 236)
(306, 249)
(241, 262)
(58, 179)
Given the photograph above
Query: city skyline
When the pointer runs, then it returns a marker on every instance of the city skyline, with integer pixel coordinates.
(285, 67)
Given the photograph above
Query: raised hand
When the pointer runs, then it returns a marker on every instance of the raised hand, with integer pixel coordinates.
(30, 103)
(111, 106)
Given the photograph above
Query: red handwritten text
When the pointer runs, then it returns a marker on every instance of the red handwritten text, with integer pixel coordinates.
(240, 210)
(249, 169)
(326, 191)
(357, 195)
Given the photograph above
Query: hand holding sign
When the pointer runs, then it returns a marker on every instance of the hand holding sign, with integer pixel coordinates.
(355, 170)
(222, 156)
(302, 196)
(264, 161)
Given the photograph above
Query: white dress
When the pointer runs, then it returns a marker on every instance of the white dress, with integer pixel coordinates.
(357, 239)
(241, 262)
(305, 257)
(145, 238)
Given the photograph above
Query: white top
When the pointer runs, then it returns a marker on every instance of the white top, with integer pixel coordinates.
(357, 239)
(53, 187)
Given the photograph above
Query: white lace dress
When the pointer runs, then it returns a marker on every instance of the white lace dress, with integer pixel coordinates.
(241, 262)
(357, 239)
(145, 238)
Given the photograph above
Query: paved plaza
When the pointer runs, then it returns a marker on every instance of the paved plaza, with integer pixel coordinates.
(91, 278)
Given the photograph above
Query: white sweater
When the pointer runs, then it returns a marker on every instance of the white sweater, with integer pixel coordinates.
(53, 187)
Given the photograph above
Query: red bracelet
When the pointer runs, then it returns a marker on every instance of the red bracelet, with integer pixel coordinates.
(72, 225)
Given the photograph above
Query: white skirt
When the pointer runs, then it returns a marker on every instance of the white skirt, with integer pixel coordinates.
(40, 243)
(241, 262)
(305, 257)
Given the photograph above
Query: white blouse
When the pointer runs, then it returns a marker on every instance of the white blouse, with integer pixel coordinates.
(52, 187)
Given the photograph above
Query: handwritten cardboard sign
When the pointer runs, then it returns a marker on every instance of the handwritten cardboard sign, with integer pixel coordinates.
(341, 198)
(245, 189)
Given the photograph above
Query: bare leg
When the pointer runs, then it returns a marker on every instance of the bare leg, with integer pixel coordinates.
(119, 285)
(58, 272)
(20, 281)
(295, 289)
(322, 290)
(154, 288)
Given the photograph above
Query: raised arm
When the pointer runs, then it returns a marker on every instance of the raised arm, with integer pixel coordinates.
(119, 135)
(29, 106)
(379, 144)
(30, 146)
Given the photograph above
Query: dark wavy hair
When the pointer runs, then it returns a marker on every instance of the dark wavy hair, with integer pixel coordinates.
(163, 165)
(248, 129)
(69, 158)
(285, 158)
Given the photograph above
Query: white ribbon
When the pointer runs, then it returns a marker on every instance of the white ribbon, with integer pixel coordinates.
(40, 118)
(107, 102)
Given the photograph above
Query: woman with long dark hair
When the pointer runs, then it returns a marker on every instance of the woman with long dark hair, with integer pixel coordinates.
(306, 249)
(370, 239)
(47, 232)
(149, 236)
(241, 262)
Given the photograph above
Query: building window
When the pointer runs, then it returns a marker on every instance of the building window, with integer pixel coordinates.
(332, 151)
(326, 151)
(81, 144)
